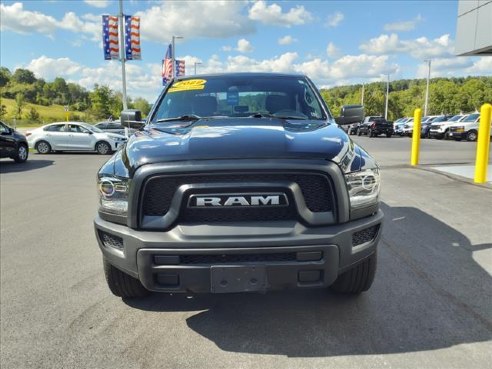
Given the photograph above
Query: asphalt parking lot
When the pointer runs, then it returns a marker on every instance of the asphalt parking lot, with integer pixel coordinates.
(430, 306)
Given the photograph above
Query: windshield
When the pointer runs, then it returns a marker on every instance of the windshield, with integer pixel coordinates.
(455, 118)
(471, 118)
(91, 128)
(240, 96)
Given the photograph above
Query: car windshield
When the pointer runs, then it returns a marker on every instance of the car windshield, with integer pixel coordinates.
(455, 118)
(471, 118)
(91, 128)
(239, 96)
(439, 119)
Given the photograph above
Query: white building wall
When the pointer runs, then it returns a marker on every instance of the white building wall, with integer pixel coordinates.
(474, 30)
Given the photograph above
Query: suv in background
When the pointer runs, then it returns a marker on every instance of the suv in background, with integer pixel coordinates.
(440, 130)
(466, 128)
(13, 144)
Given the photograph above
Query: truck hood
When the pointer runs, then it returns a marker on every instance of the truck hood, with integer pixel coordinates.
(239, 138)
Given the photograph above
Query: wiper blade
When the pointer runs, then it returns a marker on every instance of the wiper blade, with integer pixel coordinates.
(267, 115)
(183, 118)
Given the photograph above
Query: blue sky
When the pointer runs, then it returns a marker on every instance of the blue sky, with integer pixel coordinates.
(333, 42)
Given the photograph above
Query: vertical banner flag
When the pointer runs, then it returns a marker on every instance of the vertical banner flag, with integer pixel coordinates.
(132, 38)
(167, 66)
(180, 68)
(110, 37)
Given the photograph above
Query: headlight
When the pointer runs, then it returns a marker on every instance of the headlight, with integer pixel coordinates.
(363, 188)
(113, 195)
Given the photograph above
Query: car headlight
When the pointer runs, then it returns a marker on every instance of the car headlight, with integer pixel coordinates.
(363, 188)
(113, 195)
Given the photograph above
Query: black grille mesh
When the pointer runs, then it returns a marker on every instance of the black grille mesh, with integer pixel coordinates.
(315, 188)
(366, 235)
(110, 240)
(237, 258)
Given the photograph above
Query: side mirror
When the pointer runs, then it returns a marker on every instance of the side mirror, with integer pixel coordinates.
(351, 114)
(131, 118)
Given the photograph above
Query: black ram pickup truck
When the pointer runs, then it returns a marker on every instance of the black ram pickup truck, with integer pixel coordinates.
(238, 183)
(375, 126)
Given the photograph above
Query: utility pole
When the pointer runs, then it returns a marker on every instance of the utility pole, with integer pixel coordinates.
(174, 54)
(122, 55)
(387, 96)
(196, 63)
(427, 87)
(362, 95)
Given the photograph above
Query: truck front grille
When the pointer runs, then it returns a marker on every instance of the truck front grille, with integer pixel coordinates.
(159, 191)
(366, 235)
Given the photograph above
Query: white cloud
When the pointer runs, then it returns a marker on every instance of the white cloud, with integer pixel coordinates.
(15, 18)
(244, 46)
(273, 14)
(49, 68)
(97, 3)
(213, 19)
(334, 19)
(403, 26)
(419, 48)
(286, 40)
(482, 67)
(88, 24)
(332, 51)
(226, 48)
(457, 66)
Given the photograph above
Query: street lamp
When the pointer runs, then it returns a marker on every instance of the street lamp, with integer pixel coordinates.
(197, 63)
(174, 54)
(387, 95)
(427, 87)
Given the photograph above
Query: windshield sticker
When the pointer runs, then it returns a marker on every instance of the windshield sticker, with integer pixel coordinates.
(188, 85)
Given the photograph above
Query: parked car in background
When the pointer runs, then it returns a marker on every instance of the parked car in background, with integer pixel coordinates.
(427, 123)
(440, 129)
(13, 144)
(466, 129)
(73, 136)
(376, 126)
(407, 128)
(114, 127)
(353, 129)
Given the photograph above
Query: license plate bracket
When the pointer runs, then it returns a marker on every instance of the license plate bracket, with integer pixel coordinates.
(237, 278)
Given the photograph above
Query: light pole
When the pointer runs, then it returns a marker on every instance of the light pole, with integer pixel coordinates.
(387, 96)
(122, 54)
(362, 95)
(196, 63)
(427, 87)
(174, 54)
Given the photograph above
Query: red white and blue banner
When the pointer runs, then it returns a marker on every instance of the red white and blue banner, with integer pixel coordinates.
(111, 45)
(167, 66)
(132, 38)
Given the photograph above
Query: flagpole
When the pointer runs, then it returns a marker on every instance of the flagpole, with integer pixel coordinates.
(173, 56)
(122, 55)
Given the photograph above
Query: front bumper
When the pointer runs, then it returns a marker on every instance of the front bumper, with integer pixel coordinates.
(436, 134)
(457, 135)
(290, 254)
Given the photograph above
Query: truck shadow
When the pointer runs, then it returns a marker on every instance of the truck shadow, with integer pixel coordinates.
(429, 294)
(10, 166)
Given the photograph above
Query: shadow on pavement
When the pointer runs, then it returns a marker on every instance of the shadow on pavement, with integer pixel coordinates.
(429, 294)
(10, 166)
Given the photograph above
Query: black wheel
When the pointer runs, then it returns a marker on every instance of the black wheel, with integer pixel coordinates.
(359, 132)
(103, 148)
(121, 284)
(472, 136)
(43, 147)
(357, 279)
(22, 154)
(388, 135)
(446, 135)
(370, 133)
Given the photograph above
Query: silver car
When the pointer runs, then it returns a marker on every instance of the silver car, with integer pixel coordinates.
(73, 136)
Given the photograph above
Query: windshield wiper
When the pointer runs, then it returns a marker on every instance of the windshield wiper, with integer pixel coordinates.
(184, 118)
(267, 115)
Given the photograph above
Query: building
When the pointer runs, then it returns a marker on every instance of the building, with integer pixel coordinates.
(474, 29)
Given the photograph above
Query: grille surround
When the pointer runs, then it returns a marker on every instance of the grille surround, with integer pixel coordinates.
(365, 235)
(158, 191)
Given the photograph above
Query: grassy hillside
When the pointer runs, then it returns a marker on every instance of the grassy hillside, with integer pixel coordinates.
(47, 114)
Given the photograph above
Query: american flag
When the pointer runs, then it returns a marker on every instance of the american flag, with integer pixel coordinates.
(180, 68)
(167, 66)
(132, 38)
(110, 37)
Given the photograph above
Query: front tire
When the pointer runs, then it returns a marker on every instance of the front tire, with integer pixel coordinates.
(43, 147)
(22, 154)
(471, 136)
(388, 135)
(103, 148)
(358, 279)
(121, 284)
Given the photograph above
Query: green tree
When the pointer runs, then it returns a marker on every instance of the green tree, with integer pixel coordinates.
(24, 76)
(3, 111)
(100, 100)
(19, 105)
(5, 76)
(142, 105)
(33, 115)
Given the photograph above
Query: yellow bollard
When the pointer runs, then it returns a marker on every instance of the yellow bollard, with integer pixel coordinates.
(483, 144)
(417, 120)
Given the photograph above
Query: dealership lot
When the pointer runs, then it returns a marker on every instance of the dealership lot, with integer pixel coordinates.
(430, 305)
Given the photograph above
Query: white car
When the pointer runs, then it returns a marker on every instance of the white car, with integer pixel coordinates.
(440, 130)
(73, 136)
